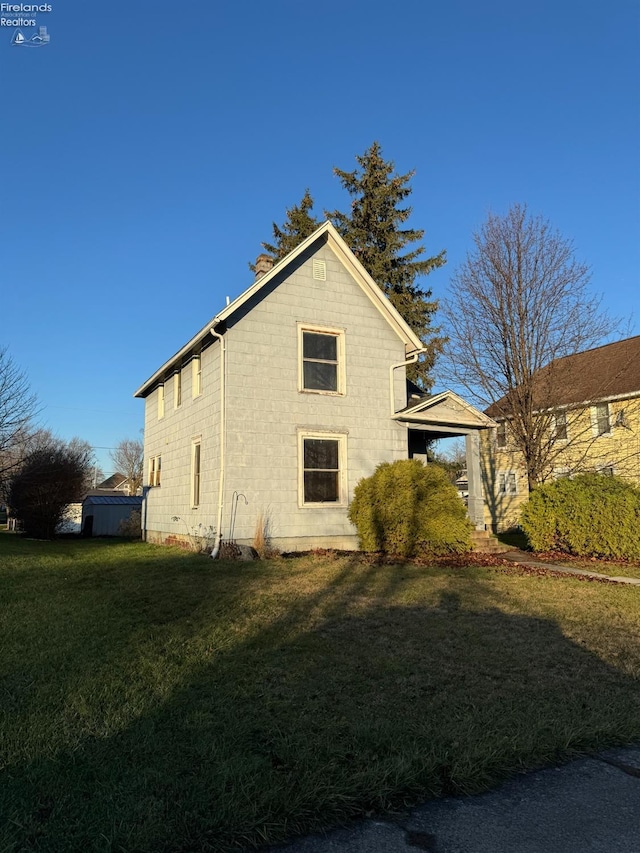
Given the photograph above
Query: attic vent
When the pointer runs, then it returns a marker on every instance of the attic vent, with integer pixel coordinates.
(320, 270)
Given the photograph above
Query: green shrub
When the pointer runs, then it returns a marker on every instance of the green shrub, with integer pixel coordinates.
(590, 515)
(410, 509)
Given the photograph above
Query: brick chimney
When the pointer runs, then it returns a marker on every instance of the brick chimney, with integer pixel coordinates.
(263, 264)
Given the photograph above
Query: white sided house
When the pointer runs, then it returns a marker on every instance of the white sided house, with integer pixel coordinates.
(271, 414)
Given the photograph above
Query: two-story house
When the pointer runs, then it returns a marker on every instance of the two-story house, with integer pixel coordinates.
(589, 408)
(278, 406)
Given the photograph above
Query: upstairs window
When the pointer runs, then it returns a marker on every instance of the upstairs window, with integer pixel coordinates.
(560, 426)
(177, 389)
(501, 434)
(155, 469)
(196, 376)
(602, 422)
(321, 360)
(160, 401)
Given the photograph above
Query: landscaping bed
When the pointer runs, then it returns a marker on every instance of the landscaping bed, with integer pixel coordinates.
(155, 700)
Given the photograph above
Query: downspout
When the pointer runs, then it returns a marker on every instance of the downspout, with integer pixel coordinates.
(223, 417)
(411, 360)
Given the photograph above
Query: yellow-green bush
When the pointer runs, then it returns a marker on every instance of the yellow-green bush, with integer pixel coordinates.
(590, 515)
(410, 509)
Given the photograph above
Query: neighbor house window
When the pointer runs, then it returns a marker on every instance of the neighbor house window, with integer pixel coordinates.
(607, 471)
(160, 401)
(507, 484)
(560, 426)
(601, 419)
(196, 376)
(322, 469)
(321, 363)
(195, 473)
(177, 389)
(155, 468)
(501, 434)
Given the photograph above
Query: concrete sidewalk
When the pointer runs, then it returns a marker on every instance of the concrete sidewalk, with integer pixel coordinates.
(523, 558)
(589, 806)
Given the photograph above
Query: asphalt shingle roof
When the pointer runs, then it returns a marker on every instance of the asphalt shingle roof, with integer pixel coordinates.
(603, 373)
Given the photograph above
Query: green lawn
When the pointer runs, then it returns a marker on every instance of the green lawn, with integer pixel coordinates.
(153, 700)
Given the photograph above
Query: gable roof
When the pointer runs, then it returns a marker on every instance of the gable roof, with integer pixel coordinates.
(112, 482)
(444, 409)
(326, 234)
(604, 373)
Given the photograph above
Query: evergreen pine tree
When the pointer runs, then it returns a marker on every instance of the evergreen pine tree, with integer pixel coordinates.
(373, 231)
(299, 225)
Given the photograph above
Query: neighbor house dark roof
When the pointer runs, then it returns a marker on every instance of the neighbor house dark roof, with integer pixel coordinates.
(113, 481)
(603, 373)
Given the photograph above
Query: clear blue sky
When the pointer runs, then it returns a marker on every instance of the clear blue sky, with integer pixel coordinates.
(149, 146)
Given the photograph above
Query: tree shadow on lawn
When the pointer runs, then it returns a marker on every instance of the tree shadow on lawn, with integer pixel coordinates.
(342, 703)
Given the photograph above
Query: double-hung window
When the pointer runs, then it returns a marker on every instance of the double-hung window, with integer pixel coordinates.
(507, 483)
(322, 469)
(501, 434)
(177, 389)
(196, 376)
(160, 401)
(602, 423)
(155, 470)
(560, 426)
(321, 360)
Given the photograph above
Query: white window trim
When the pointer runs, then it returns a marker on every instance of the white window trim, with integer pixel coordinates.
(506, 435)
(602, 468)
(506, 475)
(594, 420)
(161, 401)
(196, 376)
(341, 373)
(196, 498)
(555, 427)
(155, 471)
(177, 389)
(341, 438)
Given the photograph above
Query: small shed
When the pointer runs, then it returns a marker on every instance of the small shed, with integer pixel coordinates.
(102, 514)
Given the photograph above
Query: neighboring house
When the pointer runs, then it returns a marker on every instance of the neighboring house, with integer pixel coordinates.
(116, 483)
(590, 406)
(103, 514)
(271, 414)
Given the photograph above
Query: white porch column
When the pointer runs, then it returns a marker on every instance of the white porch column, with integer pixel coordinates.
(475, 500)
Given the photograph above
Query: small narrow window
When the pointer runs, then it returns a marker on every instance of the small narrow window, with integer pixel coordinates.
(196, 376)
(160, 401)
(195, 474)
(603, 425)
(501, 434)
(177, 389)
(322, 361)
(606, 472)
(560, 426)
(155, 468)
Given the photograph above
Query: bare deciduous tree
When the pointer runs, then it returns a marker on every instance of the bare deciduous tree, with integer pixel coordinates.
(17, 408)
(128, 458)
(518, 302)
